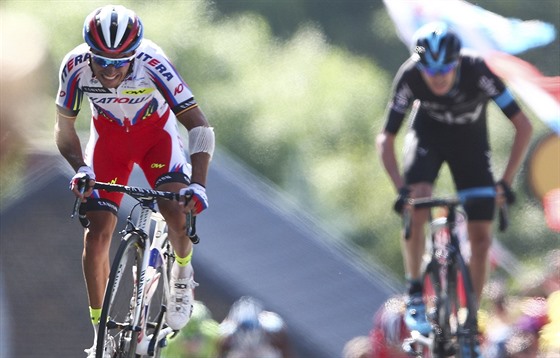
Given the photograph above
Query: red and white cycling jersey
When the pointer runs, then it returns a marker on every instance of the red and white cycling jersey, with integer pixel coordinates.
(152, 86)
(134, 123)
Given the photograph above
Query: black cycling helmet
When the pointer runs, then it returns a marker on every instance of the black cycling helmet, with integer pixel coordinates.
(435, 45)
(113, 29)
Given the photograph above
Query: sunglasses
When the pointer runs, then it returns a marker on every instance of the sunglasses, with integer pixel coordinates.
(106, 61)
(443, 70)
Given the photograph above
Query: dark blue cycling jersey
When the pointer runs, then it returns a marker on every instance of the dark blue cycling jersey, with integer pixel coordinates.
(464, 106)
(451, 128)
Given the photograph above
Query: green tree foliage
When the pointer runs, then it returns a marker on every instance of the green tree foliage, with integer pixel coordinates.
(299, 109)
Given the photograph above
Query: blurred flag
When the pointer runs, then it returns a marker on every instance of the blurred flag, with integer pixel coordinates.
(494, 37)
(540, 93)
(480, 29)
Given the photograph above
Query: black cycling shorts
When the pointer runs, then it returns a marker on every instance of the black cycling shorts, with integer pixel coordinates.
(469, 166)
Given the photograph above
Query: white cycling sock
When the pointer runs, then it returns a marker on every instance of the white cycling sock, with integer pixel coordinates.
(95, 329)
(182, 271)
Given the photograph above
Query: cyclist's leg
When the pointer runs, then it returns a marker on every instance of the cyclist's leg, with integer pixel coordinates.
(470, 168)
(165, 165)
(173, 175)
(182, 284)
(105, 155)
(480, 236)
(415, 316)
(415, 245)
(421, 166)
(174, 215)
(95, 256)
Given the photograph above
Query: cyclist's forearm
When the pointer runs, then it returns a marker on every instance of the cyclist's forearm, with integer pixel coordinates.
(523, 132)
(68, 142)
(200, 163)
(386, 148)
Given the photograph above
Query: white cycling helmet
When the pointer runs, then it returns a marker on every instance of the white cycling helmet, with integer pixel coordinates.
(113, 29)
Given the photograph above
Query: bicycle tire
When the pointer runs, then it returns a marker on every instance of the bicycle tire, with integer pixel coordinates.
(432, 293)
(118, 305)
(463, 310)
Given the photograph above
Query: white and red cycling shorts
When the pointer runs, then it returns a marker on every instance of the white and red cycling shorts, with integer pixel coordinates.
(155, 145)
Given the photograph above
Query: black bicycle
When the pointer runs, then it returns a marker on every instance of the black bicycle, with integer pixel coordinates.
(132, 323)
(451, 304)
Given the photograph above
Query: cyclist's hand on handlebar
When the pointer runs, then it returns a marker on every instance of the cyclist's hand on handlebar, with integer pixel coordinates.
(401, 199)
(198, 199)
(84, 175)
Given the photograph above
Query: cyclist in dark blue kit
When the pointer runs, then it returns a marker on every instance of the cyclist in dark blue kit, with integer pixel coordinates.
(448, 90)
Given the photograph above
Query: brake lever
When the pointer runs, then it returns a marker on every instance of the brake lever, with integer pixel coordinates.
(191, 222)
(191, 229)
(78, 207)
(78, 201)
(504, 218)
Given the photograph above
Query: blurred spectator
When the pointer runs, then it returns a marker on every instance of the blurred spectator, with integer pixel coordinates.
(199, 339)
(249, 331)
(521, 344)
(22, 61)
(543, 291)
(358, 347)
(528, 325)
(495, 325)
(389, 330)
(524, 340)
(549, 339)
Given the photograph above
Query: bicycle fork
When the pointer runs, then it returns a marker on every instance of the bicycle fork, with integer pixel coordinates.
(155, 259)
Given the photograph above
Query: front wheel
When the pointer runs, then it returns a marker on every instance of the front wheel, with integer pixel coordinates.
(115, 334)
(432, 298)
(463, 311)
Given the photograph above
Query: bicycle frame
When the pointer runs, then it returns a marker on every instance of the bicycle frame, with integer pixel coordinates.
(153, 259)
(148, 277)
(448, 285)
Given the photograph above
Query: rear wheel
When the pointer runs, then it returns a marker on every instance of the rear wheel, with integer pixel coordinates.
(115, 325)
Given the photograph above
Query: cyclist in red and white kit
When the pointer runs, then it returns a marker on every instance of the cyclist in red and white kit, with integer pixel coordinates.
(136, 97)
(448, 91)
